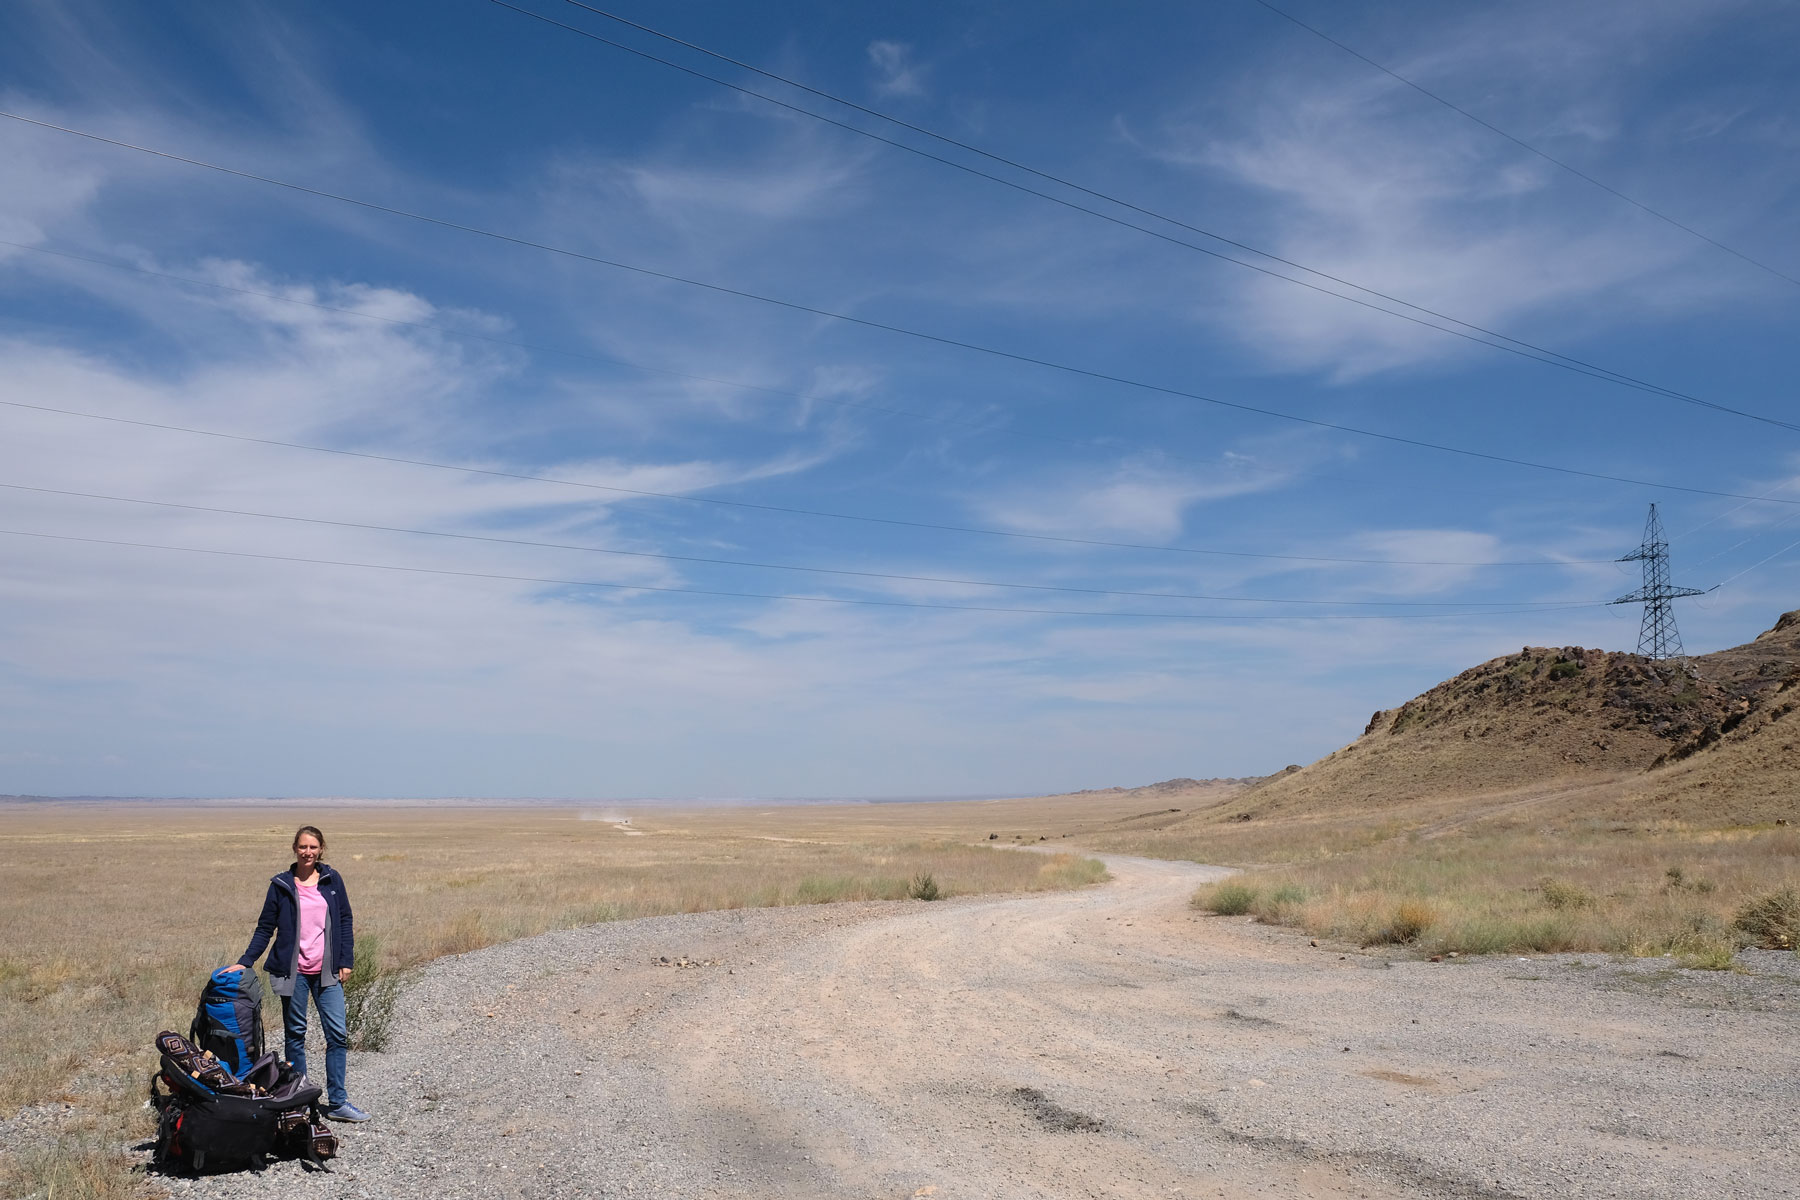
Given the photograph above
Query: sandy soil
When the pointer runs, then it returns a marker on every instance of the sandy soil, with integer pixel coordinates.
(1107, 1042)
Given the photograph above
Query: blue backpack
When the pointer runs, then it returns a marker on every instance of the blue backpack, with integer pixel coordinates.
(228, 1021)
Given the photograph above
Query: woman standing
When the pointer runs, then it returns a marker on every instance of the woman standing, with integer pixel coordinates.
(307, 912)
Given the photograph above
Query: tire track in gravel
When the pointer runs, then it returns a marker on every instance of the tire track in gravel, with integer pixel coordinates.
(1103, 1042)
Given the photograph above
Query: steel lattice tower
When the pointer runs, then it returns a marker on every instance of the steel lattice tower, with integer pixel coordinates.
(1657, 636)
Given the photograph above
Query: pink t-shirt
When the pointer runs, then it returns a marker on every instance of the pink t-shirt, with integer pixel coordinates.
(311, 956)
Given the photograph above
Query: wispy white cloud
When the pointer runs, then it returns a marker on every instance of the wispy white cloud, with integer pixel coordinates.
(1358, 177)
(786, 192)
(1140, 497)
(1147, 494)
(896, 73)
(43, 183)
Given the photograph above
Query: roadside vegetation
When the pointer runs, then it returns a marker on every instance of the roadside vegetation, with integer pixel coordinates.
(114, 916)
(1697, 895)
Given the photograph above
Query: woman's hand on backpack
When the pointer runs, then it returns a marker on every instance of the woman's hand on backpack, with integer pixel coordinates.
(233, 967)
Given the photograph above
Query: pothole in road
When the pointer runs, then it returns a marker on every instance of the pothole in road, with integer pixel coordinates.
(1051, 1115)
(1232, 1014)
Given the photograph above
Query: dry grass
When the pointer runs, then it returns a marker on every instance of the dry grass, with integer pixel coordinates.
(1664, 890)
(1558, 865)
(1772, 921)
(86, 1161)
(114, 915)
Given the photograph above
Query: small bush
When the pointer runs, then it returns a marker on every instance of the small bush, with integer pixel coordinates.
(1675, 877)
(1773, 921)
(1560, 895)
(1713, 956)
(1565, 670)
(1227, 899)
(1409, 919)
(1280, 905)
(923, 887)
(370, 996)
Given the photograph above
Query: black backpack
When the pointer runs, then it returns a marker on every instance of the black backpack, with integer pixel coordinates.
(211, 1119)
(228, 1022)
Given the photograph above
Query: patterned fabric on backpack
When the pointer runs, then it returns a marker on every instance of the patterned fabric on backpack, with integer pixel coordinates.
(210, 1119)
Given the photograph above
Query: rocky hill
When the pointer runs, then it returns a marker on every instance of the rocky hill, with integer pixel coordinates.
(1707, 735)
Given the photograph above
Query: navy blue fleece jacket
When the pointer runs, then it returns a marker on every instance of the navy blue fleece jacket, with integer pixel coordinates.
(280, 920)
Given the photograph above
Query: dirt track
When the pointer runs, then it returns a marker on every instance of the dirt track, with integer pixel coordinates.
(1107, 1042)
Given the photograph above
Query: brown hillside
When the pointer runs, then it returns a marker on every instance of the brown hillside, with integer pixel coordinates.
(1709, 731)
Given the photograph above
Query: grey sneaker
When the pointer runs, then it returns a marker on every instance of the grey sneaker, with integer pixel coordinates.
(346, 1112)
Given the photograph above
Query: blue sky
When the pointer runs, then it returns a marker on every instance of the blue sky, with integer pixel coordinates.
(160, 293)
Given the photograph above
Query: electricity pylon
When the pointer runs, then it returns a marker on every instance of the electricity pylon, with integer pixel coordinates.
(1657, 636)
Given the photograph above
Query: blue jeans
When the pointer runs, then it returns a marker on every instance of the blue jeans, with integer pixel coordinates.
(337, 1033)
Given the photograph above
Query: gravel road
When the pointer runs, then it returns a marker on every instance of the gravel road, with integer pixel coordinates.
(1105, 1042)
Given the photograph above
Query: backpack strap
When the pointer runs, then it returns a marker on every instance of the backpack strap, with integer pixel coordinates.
(319, 1142)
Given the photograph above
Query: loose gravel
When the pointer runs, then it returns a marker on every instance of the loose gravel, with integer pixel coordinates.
(1107, 1042)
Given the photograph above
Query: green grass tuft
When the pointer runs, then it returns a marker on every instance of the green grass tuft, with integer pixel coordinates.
(1558, 894)
(1228, 899)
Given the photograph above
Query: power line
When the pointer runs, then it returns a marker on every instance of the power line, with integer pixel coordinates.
(1507, 343)
(1753, 566)
(588, 356)
(1787, 520)
(730, 562)
(867, 323)
(1524, 145)
(791, 511)
(1712, 520)
(644, 587)
(1278, 473)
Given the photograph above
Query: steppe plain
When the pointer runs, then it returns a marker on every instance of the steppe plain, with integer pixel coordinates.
(1033, 1034)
